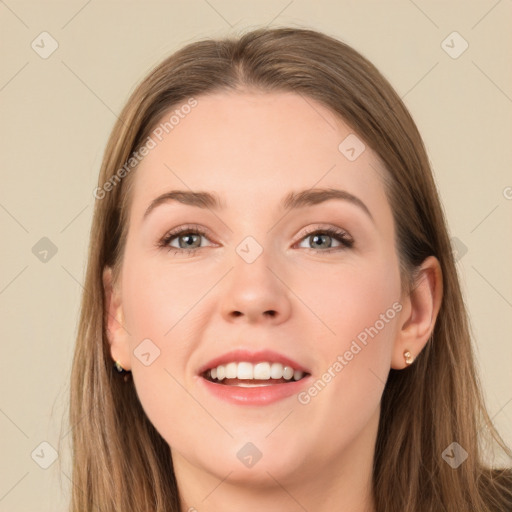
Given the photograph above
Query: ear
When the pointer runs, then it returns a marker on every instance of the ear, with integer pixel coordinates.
(116, 333)
(420, 309)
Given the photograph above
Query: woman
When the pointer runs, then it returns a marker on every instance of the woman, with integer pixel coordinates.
(272, 318)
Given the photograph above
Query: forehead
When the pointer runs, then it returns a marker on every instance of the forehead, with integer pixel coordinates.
(252, 148)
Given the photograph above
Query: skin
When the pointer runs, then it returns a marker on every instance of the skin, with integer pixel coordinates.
(252, 149)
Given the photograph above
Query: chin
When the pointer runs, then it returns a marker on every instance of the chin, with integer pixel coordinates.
(256, 463)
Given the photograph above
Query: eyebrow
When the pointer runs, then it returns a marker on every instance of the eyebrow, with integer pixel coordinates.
(293, 200)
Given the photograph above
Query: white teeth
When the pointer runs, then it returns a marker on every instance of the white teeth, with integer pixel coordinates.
(288, 372)
(245, 371)
(231, 370)
(259, 371)
(276, 370)
(262, 371)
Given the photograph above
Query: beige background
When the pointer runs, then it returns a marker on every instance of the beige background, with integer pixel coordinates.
(56, 114)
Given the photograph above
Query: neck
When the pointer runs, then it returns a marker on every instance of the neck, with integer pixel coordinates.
(342, 481)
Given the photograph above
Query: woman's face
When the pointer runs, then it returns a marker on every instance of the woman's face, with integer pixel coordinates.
(257, 281)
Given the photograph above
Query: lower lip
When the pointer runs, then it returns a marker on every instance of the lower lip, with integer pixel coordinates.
(262, 395)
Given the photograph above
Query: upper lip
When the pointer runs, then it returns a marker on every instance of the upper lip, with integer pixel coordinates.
(249, 356)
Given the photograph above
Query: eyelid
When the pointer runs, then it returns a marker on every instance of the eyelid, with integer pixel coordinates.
(188, 228)
(325, 228)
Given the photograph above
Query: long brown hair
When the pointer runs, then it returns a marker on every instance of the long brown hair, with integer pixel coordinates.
(120, 462)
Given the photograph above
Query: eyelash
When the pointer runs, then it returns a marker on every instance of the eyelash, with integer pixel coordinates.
(336, 233)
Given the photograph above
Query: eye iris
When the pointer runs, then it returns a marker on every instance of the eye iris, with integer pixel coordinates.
(189, 237)
(316, 237)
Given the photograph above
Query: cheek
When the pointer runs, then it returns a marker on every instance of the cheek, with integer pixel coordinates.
(160, 302)
(360, 307)
(353, 301)
(157, 296)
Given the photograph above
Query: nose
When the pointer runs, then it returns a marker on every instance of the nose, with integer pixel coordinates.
(256, 292)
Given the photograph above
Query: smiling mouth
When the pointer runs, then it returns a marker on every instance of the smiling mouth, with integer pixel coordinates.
(248, 375)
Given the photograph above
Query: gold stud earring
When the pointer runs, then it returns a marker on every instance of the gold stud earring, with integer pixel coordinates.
(118, 367)
(408, 358)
